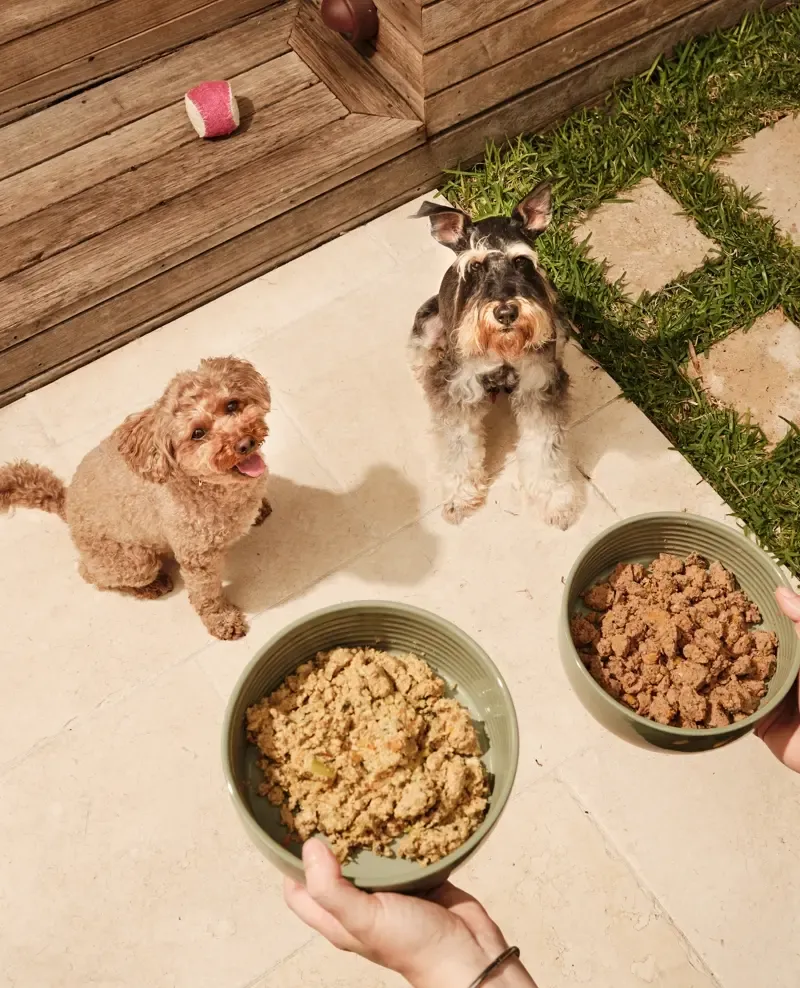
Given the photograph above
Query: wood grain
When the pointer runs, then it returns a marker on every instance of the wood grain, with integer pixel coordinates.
(25, 90)
(405, 15)
(494, 86)
(158, 139)
(135, 312)
(448, 20)
(60, 286)
(18, 17)
(89, 32)
(354, 79)
(105, 206)
(542, 107)
(141, 91)
(395, 56)
(497, 43)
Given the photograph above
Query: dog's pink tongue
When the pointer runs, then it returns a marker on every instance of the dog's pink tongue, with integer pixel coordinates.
(252, 466)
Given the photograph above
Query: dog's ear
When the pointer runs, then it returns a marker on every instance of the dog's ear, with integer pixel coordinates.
(535, 211)
(144, 446)
(449, 226)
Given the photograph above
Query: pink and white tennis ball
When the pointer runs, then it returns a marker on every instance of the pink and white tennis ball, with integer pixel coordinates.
(213, 109)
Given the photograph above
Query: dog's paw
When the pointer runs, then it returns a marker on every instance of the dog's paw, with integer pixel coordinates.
(562, 506)
(226, 623)
(465, 503)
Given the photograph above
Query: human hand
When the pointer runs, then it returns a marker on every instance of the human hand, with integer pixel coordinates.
(443, 939)
(781, 731)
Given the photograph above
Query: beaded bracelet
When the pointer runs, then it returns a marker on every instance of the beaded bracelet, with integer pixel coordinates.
(494, 966)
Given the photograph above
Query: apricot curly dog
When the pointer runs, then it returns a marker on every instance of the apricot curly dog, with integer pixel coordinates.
(182, 478)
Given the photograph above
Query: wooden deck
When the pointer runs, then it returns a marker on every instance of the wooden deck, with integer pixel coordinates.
(114, 217)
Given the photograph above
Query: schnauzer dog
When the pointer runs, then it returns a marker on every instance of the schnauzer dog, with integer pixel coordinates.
(496, 325)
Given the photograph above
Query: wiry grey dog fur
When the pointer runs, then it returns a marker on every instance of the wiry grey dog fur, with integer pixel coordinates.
(496, 325)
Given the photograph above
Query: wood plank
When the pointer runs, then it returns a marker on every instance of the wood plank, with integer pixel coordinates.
(89, 32)
(545, 105)
(124, 54)
(399, 61)
(447, 20)
(38, 297)
(405, 16)
(131, 314)
(124, 317)
(106, 206)
(512, 36)
(343, 68)
(132, 165)
(502, 82)
(144, 90)
(18, 17)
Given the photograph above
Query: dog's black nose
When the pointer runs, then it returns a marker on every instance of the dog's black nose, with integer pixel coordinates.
(506, 313)
(245, 446)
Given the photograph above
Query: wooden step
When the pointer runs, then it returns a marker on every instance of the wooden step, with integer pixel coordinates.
(40, 66)
(281, 101)
(331, 152)
(108, 199)
(141, 91)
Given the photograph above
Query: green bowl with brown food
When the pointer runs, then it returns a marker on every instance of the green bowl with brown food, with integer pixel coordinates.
(670, 633)
(380, 727)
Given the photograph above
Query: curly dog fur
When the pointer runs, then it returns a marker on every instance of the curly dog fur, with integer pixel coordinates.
(181, 478)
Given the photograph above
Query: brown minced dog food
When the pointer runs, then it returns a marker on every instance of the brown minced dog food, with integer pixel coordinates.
(675, 642)
(363, 746)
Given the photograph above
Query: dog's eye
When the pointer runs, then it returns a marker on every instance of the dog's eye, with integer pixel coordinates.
(475, 266)
(521, 262)
(232, 406)
(198, 434)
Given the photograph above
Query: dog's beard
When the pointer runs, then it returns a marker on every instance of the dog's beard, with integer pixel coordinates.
(480, 333)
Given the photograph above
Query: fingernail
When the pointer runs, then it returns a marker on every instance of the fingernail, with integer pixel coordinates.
(785, 593)
(313, 852)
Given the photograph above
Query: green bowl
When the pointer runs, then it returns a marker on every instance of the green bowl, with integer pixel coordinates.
(640, 540)
(466, 668)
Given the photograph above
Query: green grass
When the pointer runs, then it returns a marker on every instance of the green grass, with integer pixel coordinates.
(672, 123)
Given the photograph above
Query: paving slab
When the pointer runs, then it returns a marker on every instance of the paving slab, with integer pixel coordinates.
(645, 238)
(757, 373)
(768, 164)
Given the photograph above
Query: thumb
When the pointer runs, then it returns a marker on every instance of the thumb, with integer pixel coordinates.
(325, 884)
(789, 603)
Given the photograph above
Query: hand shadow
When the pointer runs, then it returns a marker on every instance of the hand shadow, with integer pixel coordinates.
(313, 532)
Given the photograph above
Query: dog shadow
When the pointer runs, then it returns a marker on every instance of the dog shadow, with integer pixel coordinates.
(313, 532)
(501, 436)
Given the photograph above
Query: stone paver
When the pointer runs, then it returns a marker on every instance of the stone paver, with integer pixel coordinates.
(121, 862)
(693, 829)
(757, 372)
(768, 164)
(646, 240)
